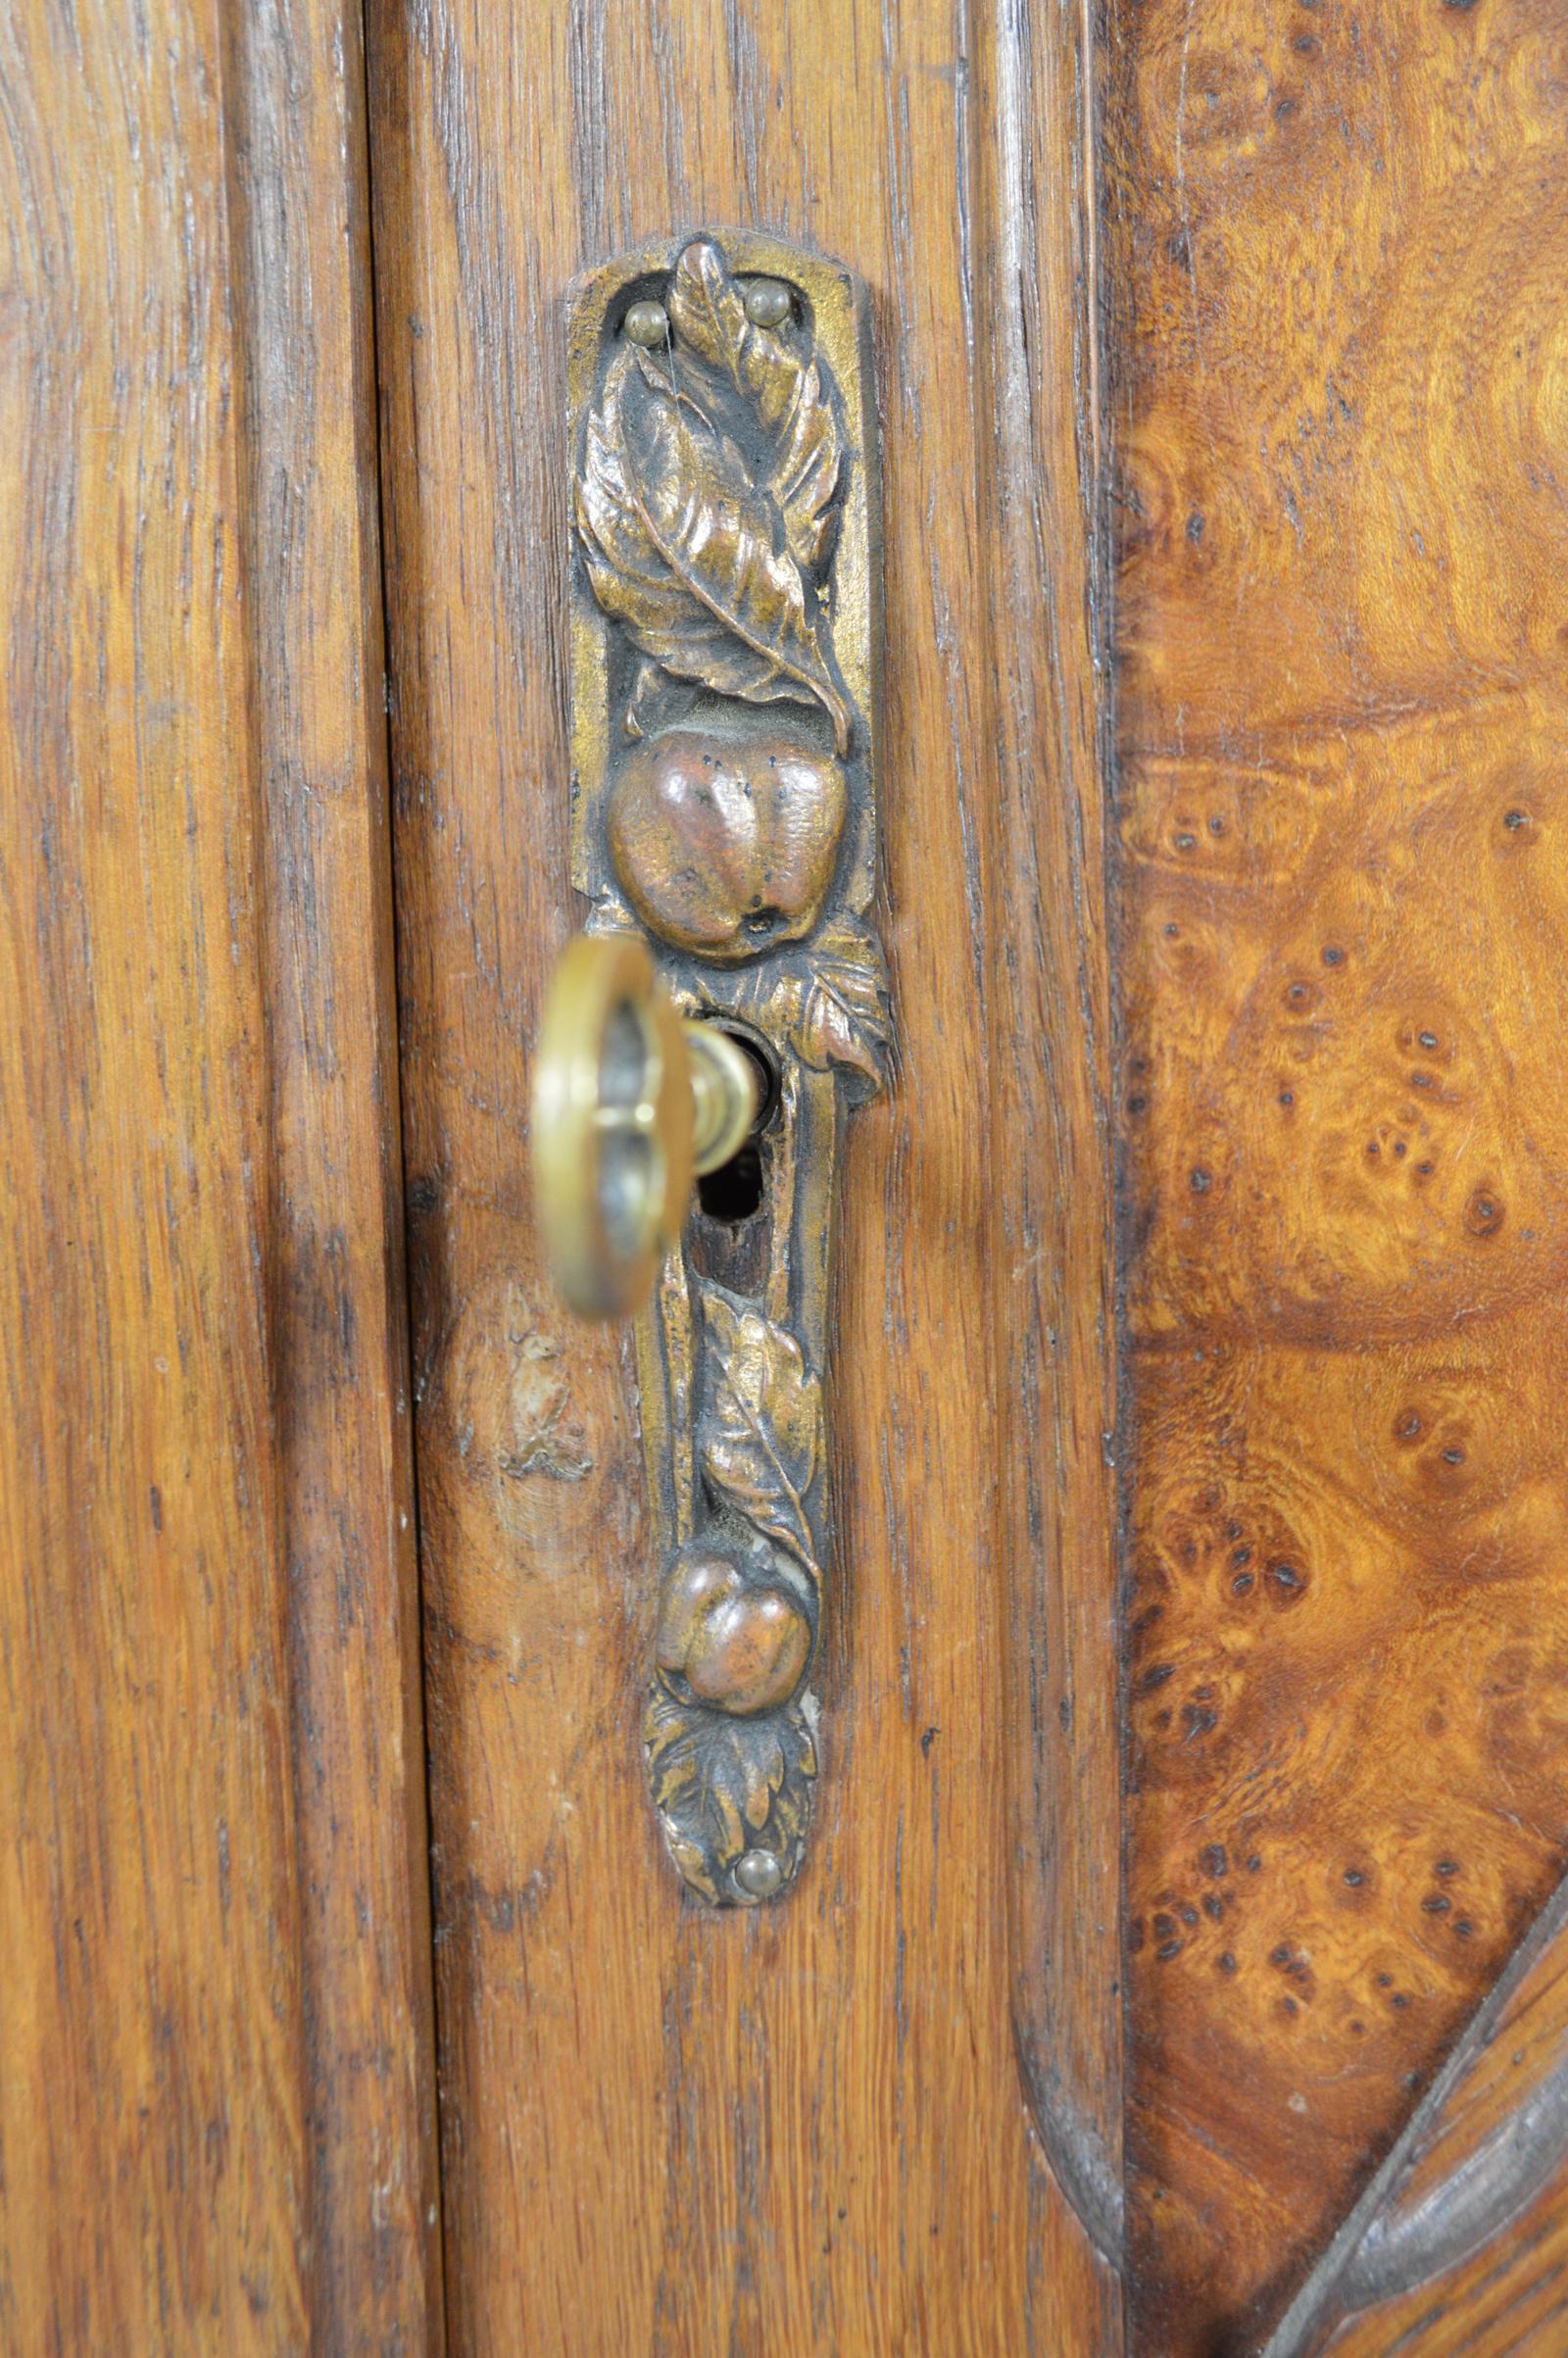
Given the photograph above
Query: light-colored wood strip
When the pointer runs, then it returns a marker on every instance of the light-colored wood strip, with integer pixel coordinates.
(1041, 491)
(155, 2187)
(216, 2114)
(309, 544)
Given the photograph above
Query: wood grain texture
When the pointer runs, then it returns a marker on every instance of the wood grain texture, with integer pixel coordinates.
(1458, 2240)
(1340, 353)
(1040, 517)
(334, 1256)
(802, 2130)
(214, 2133)
(1507, 2300)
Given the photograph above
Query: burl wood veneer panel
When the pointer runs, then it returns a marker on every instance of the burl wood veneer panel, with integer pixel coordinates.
(1339, 358)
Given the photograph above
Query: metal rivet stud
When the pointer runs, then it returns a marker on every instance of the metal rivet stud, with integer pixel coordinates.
(760, 1874)
(648, 323)
(768, 302)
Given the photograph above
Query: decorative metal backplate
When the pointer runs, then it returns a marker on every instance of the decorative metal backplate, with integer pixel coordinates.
(723, 798)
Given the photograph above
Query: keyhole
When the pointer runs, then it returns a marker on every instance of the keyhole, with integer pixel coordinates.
(734, 1192)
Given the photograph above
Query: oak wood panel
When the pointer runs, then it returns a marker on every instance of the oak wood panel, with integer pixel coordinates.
(799, 2129)
(334, 1255)
(1338, 342)
(155, 2178)
(211, 2122)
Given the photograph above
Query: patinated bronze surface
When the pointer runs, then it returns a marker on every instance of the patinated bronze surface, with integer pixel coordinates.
(724, 804)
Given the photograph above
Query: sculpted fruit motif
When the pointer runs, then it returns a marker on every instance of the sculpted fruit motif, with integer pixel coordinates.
(740, 1647)
(727, 848)
(725, 587)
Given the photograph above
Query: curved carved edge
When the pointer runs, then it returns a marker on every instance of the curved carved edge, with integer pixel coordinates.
(1082, 2164)
(1415, 2220)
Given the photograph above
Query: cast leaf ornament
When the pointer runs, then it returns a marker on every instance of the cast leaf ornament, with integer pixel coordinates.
(724, 810)
(784, 388)
(724, 1786)
(761, 1426)
(830, 1002)
(701, 553)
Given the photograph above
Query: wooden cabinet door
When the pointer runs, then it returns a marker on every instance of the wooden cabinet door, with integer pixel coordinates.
(1177, 1964)
(802, 2126)
(1195, 1365)
(1194, 1370)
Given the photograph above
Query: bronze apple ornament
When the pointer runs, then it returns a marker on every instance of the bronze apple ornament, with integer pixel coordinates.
(727, 848)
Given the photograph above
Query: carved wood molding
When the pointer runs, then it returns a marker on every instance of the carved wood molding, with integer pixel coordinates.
(1477, 2150)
